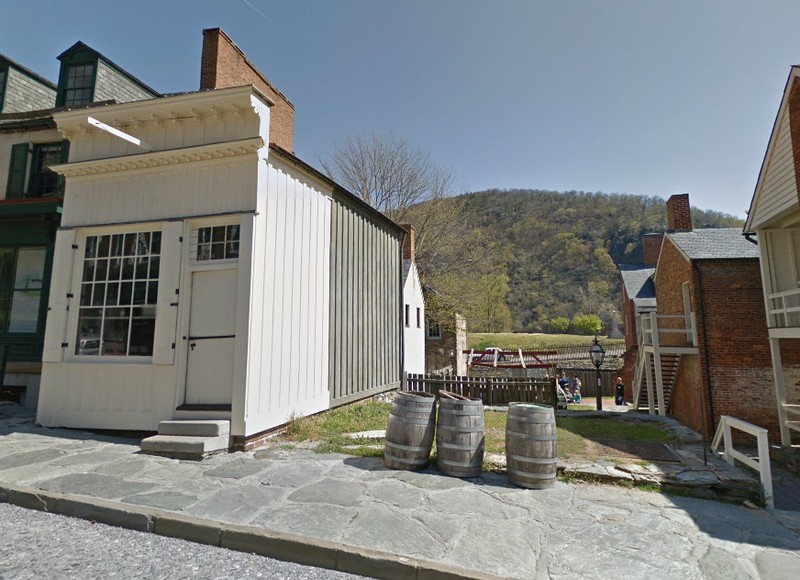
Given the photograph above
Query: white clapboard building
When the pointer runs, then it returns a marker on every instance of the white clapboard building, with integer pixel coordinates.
(204, 273)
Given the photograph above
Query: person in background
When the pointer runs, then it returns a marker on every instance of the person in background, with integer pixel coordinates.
(563, 382)
(576, 395)
(576, 383)
(619, 392)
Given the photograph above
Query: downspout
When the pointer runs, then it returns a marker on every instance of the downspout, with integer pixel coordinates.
(707, 365)
(749, 237)
(402, 318)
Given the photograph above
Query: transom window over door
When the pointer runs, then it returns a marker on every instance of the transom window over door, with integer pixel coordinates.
(217, 243)
(119, 290)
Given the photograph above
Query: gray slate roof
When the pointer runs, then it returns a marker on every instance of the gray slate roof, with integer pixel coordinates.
(638, 282)
(714, 244)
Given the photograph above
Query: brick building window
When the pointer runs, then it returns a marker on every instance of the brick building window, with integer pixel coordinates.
(119, 289)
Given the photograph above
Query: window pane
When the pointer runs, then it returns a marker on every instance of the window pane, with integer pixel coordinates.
(126, 293)
(91, 247)
(24, 311)
(103, 247)
(6, 268)
(154, 262)
(88, 270)
(89, 325)
(116, 244)
(232, 250)
(102, 270)
(99, 296)
(86, 295)
(115, 333)
(114, 268)
(218, 251)
(143, 326)
(112, 294)
(30, 268)
(141, 268)
(139, 292)
(130, 244)
(152, 292)
(218, 234)
(204, 235)
(5, 300)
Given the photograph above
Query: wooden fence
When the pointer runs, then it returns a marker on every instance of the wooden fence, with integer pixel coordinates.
(491, 390)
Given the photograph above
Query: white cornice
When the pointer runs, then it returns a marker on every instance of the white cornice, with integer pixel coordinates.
(210, 152)
(235, 101)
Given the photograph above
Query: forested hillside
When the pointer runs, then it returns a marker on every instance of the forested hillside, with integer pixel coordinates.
(553, 254)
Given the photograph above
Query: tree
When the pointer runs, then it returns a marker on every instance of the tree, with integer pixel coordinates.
(560, 324)
(587, 324)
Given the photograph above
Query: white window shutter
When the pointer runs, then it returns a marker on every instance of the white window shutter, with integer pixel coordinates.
(55, 334)
(168, 296)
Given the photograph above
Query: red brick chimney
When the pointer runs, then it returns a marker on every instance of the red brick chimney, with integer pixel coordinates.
(224, 64)
(651, 248)
(409, 242)
(679, 215)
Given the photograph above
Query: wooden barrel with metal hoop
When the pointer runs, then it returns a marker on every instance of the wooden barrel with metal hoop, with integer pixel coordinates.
(459, 436)
(409, 432)
(531, 445)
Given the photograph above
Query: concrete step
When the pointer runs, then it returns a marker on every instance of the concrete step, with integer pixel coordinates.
(195, 427)
(191, 414)
(181, 446)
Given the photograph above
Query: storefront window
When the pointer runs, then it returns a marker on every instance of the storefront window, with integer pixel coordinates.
(21, 281)
(119, 290)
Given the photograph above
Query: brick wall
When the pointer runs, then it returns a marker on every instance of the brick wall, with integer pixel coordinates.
(679, 214)
(651, 246)
(225, 65)
(409, 242)
(735, 335)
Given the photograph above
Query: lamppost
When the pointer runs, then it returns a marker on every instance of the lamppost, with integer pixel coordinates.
(597, 354)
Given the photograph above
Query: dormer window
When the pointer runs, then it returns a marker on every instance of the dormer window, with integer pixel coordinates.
(2, 87)
(78, 84)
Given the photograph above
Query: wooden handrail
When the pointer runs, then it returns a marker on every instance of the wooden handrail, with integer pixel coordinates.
(760, 463)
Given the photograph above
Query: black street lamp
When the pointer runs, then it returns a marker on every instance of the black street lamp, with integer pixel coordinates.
(597, 354)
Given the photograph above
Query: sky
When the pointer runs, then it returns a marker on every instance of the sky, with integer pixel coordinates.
(618, 96)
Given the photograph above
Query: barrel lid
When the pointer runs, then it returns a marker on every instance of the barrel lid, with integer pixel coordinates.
(532, 406)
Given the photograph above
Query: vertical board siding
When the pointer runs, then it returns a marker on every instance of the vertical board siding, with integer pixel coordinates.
(365, 306)
(288, 374)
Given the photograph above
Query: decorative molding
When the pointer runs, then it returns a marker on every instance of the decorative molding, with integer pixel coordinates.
(210, 152)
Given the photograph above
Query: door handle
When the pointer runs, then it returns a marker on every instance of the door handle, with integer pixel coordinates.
(192, 345)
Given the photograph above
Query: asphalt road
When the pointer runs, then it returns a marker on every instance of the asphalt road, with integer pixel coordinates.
(41, 545)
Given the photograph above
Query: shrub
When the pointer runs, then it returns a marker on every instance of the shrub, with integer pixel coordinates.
(560, 324)
(587, 324)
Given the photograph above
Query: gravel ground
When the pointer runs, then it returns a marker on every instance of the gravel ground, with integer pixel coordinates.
(43, 546)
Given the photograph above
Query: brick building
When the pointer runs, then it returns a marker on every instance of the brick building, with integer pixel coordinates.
(704, 351)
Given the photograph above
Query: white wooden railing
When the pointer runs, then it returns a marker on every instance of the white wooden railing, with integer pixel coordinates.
(760, 463)
(782, 306)
(651, 331)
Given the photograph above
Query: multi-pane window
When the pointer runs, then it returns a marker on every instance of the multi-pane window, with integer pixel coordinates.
(78, 85)
(21, 282)
(119, 290)
(218, 243)
(44, 181)
(434, 329)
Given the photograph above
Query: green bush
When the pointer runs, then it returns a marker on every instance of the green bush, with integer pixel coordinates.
(560, 324)
(587, 324)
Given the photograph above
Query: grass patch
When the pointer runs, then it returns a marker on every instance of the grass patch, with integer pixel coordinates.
(514, 340)
(328, 429)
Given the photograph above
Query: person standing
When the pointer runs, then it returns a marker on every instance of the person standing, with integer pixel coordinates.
(619, 392)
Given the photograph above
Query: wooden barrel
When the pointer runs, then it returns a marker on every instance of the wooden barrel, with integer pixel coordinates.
(409, 432)
(460, 437)
(531, 445)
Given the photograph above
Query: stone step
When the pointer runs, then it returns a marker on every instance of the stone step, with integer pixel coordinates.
(190, 414)
(195, 427)
(181, 446)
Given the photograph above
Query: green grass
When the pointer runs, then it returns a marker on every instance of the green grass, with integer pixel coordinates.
(513, 340)
(328, 429)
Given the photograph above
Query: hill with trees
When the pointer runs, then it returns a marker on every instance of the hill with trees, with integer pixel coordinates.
(558, 251)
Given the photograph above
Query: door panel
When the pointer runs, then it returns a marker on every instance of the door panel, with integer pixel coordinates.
(212, 323)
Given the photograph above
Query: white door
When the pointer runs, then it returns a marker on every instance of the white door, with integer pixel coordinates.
(212, 323)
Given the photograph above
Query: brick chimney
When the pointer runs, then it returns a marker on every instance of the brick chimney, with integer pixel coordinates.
(679, 215)
(651, 248)
(409, 241)
(224, 64)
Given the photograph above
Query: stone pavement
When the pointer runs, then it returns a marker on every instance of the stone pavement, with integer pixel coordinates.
(351, 514)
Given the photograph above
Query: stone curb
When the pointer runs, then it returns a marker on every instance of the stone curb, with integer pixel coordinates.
(242, 538)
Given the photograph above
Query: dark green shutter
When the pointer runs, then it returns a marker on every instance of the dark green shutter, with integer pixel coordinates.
(16, 171)
(64, 159)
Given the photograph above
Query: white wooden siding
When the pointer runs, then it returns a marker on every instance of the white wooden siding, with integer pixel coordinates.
(414, 337)
(190, 189)
(106, 395)
(287, 367)
(778, 191)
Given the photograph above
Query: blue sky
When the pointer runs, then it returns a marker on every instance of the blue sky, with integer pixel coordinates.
(619, 96)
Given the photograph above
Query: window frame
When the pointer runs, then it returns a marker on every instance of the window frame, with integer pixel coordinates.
(430, 324)
(73, 338)
(12, 289)
(210, 263)
(38, 175)
(64, 88)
